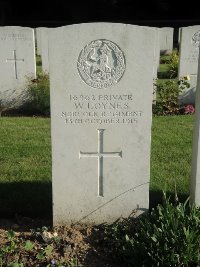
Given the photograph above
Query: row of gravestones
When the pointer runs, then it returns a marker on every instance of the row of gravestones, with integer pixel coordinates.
(189, 50)
(101, 82)
(18, 49)
(18, 58)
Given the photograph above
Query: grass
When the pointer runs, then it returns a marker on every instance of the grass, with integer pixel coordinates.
(163, 72)
(171, 153)
(25, 162)
(38, 64)
(164, 68)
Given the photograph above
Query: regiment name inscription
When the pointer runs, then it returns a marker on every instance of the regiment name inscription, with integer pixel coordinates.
(104, 108)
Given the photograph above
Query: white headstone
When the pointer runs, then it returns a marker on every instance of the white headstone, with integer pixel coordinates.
(156, 59)
(17, 62)
(38, 39)
(179, 36)
(35, 36)
(188, 63)
(166, 39)
(101, 104)
(45, 49)
(195, 179)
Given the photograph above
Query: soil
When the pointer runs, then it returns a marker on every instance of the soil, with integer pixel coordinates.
(80, 242)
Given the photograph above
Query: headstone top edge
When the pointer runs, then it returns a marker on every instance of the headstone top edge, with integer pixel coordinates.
(9, 28)
(190, 27)
(102, 24)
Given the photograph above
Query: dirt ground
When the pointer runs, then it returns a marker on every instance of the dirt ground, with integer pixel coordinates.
(80, 242)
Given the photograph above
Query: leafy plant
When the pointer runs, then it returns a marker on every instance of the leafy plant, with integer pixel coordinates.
(167, 96)
(29, 245)
(72, 263)
(16, 253)
(168, 236)
(46, 252)
(38, 95)
(173, 64)
(16, 264)
(9, 249)
(169, 66)
(164, 59)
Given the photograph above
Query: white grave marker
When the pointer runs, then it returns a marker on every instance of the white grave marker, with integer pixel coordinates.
(101, 78)
(188, 63)
(17, 62)
(44, 49)
(166, 39)
(195, 179)
(38, 39)
(156, 60)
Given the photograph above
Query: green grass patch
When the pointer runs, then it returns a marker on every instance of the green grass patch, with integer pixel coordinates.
(171, 152)
(25, 162)
(164, 68)
(163, 72)
(38, 64)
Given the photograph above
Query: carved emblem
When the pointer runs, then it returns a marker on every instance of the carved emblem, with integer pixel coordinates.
(101, 64)
(196, 39)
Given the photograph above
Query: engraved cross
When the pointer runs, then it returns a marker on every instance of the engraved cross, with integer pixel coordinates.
(14, 60)
(100, 154)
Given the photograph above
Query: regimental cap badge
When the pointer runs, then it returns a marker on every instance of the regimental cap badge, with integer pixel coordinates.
(196, 39)
(101, 63)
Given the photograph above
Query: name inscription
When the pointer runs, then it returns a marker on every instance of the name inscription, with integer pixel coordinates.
(14, 36)
(101, 109)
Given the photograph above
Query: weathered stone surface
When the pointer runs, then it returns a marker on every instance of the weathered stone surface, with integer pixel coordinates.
(195, 179)
(38, 39)
(101, 78)
(188, 63)
(166, 39)
(45, 49)
(156, 60)
(17, 62)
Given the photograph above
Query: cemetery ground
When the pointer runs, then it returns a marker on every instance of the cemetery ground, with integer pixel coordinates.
(25, 193)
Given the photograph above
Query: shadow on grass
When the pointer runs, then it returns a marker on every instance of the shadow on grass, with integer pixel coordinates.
(156, 197)
(33, 199)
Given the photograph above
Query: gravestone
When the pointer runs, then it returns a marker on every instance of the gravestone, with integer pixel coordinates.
(101, 80)
(38, 39)
(195, 179)
(156, 60)
(179, 36)
(188, 63)
(44, 49)
(17, 62)
(166, 39)
(35, 36)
